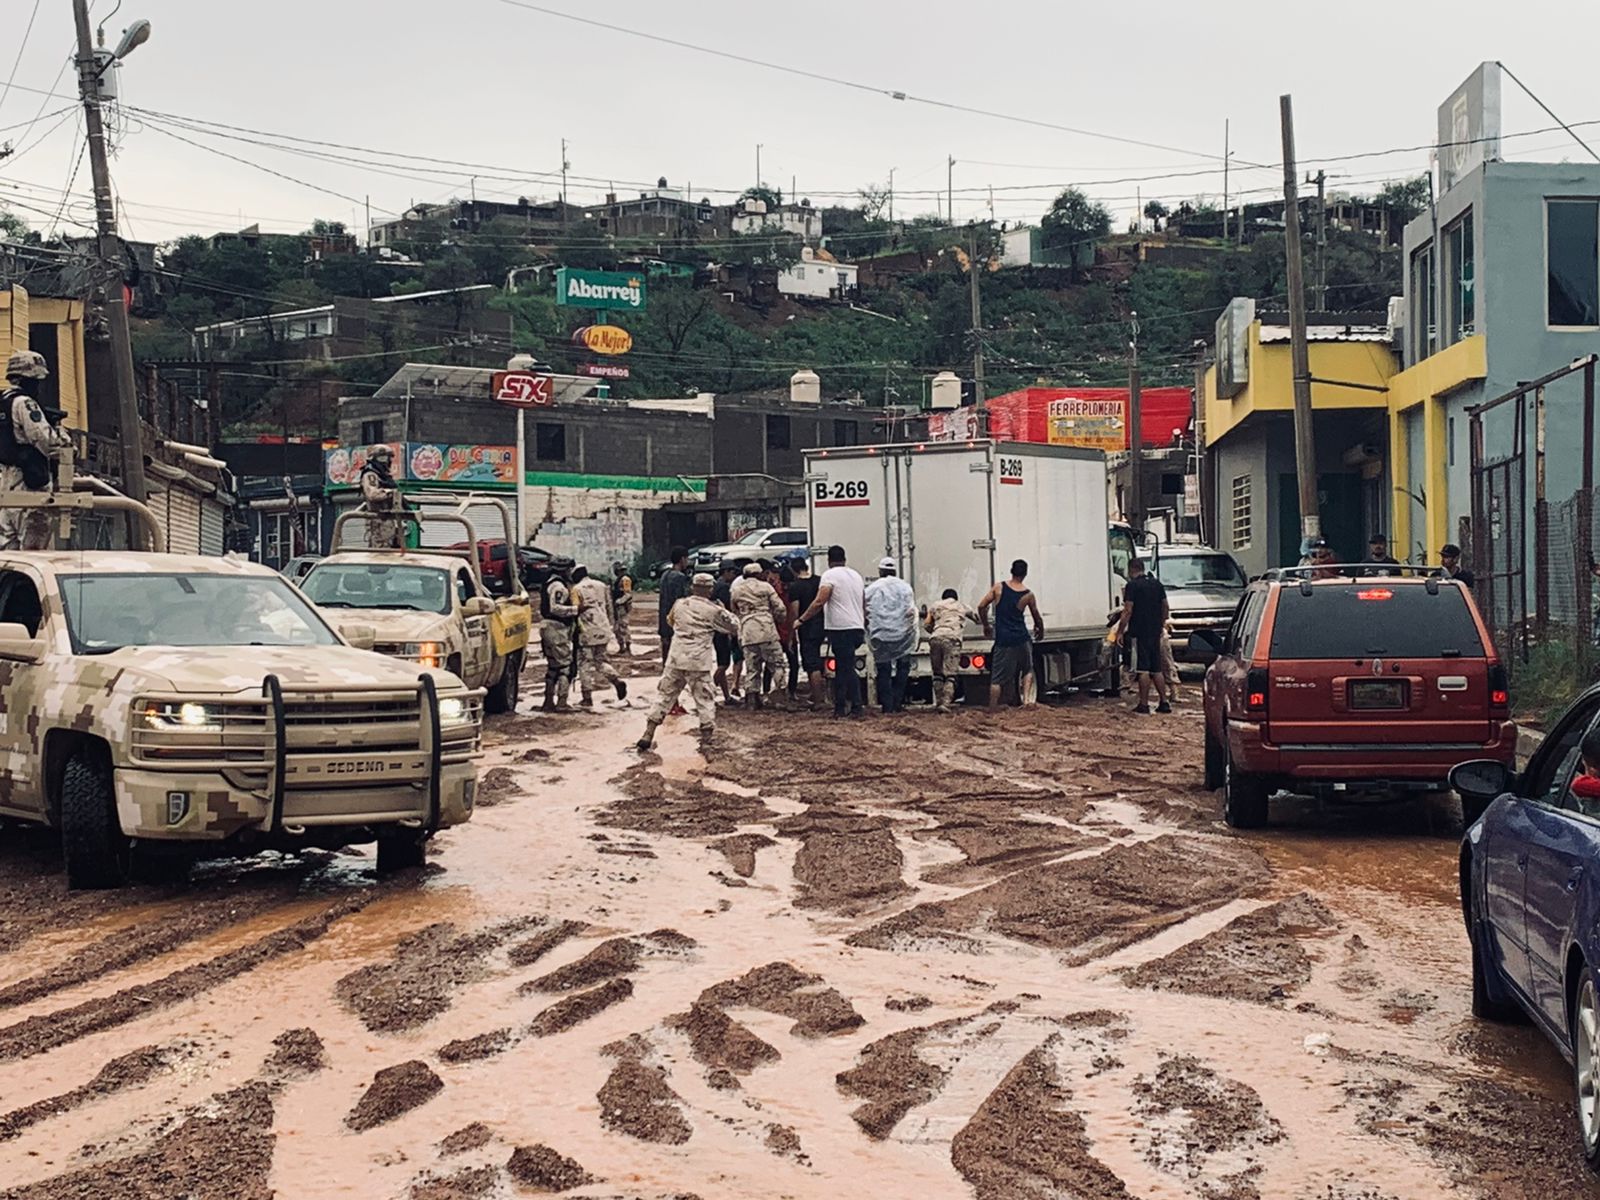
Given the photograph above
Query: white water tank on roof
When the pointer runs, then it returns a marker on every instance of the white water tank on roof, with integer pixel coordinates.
(805, 387)
(945, 394)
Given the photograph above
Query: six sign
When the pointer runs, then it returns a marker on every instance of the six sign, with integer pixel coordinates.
(522, 389)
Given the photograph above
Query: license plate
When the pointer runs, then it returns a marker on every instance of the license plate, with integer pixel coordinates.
(1378, 693)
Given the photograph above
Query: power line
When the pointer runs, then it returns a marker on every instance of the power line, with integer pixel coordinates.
(17, 62)
(891, 93)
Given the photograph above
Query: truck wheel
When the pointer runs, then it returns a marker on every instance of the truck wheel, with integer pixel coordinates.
(502, 696)
(1216, 769)
(400, 851)
(96, 851)
(1244, 797)
(1112, 681)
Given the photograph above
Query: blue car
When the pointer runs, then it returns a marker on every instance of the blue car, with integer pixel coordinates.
(1530, 891)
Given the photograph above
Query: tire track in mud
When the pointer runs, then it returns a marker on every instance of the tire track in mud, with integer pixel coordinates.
(122, 1073)
(46, 1032)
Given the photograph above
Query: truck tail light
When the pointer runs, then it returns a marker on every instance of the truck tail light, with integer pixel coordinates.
(1499, 689)
(979, 662)
(833, 664)
(1255, 692)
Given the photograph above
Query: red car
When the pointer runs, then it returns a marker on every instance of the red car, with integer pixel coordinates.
(1349, 686)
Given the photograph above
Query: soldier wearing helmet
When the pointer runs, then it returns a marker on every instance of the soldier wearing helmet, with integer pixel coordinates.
(380, 494)
(696, 621)
(622, 607)
(558, 614)
(28, 445)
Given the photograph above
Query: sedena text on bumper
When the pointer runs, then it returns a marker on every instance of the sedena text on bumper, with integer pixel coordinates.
(1366, 764)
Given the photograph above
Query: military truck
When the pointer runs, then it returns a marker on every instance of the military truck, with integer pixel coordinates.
(429, 606)
(156, 708)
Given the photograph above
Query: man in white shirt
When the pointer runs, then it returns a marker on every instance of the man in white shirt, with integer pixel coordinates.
(842, 603)
(892, 631)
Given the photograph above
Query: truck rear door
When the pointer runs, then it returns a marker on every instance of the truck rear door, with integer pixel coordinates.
(1376, 662)
(849, 499)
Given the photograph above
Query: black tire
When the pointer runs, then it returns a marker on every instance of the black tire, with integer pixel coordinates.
(502, 697)
(97, 853)
(1583, 1008)
(1244, 797)
(1216, 768)
(1113, 687)
(1485, 1005)
(401, 850)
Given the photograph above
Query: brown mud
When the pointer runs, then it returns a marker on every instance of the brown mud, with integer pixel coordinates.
(987, 956)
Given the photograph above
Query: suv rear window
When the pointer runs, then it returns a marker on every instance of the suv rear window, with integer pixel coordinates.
(1373, 618)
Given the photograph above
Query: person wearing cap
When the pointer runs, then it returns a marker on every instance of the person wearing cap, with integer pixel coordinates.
(622, 607)
(840, 602)
(695, 621)
(557, 616)
(1378, 556)
(891, 609)
(592, 598)
(28, 444)
(758, 610)
(380, 494)
(1320, 555)
(1450, 565)
(947, 622)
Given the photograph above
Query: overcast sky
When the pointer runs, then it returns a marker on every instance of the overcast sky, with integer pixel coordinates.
(483, 82)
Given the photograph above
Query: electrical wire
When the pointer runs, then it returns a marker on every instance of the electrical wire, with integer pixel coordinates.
(17, 62)
(891, 93)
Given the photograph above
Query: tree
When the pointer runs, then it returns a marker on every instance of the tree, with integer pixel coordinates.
(1406, 198)
(1156, 212)
(772, 196)
(1074, 221)
(676, 308)
(322, 228)
(12, 227)
(767, 246)
(874, 201)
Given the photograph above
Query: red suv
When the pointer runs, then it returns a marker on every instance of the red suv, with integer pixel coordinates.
(1349, 686)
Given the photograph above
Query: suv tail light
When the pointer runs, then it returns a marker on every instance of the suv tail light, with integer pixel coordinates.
(1499, 690)
(1255, 692)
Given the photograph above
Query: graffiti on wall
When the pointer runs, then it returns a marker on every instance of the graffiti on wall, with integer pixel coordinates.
(597, 541)
(742, 520)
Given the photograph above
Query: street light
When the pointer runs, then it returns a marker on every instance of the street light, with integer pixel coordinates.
(133, 37)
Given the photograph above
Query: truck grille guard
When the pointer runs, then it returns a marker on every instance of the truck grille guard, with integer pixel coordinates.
(433, 746)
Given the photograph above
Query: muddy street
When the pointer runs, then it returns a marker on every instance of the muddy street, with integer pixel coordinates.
(914, 956)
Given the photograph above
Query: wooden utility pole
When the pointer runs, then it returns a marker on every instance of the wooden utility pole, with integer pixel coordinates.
(1305, 448)
(950, 191)
(1321, 180)
(977, 319)
(111, 259)
(1135, 513)
(1226, 154)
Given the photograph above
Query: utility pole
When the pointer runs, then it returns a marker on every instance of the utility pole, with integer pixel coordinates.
(1225, 155)
(1321, 180)
(1135, 513)
(977, 318)
(110, 251)
(564, 166)
(950, 191)
(891, 195)
(758, 164)
(1305, 449)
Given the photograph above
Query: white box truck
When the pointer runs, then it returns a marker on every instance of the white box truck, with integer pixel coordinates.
(956, 514)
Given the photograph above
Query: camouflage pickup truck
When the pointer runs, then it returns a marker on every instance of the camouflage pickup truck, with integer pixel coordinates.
(157, 707)
(430, 607)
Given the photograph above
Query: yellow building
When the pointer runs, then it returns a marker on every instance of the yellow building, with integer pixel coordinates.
(1247, 423)
(53, 327)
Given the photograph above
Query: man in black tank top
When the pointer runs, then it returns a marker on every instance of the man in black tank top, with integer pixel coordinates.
(1011, 659)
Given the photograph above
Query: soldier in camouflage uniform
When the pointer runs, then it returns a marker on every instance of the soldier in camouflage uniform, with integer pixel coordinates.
(593, 600)
(694, 620)
(759, 611)
(28, 444)
(622, 607)
(381, 494)
(558, 615)
(945, 621)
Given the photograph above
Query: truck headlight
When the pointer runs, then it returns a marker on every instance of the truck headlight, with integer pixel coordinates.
(187, 716)
(427, 654)
(454, 711)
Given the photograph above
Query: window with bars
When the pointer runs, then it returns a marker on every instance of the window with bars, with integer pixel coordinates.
(1241, 512)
